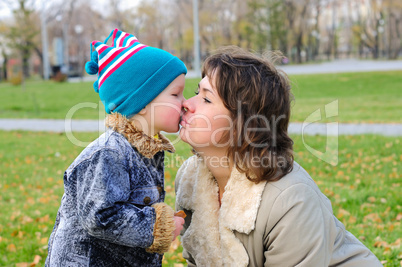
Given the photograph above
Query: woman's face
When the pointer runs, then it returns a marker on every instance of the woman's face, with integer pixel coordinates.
(206, 118)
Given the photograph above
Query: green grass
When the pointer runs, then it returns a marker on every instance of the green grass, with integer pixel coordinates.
(364, 189)
(362, 97)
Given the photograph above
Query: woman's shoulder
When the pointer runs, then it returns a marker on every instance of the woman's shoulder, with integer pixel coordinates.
(295, 186)
(298, 176)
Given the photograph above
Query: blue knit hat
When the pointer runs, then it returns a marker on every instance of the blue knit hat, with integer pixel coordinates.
(130, 74)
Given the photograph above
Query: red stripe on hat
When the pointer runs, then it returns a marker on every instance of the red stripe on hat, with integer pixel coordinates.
(100, 51)
(122, 39)
(114, 34)
(94, 42)
(112, 56)
(121, 63)
(133, 42)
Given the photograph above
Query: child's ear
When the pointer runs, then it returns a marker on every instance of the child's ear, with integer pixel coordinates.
(143, 111)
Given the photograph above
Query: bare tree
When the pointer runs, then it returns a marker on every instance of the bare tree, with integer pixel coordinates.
(394, 32)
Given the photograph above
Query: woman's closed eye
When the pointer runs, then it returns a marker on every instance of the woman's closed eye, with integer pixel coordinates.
(206, 100)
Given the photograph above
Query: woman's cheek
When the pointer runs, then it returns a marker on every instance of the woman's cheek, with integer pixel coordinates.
(196, 136)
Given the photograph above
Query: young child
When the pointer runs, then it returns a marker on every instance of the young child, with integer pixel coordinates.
(112, 211)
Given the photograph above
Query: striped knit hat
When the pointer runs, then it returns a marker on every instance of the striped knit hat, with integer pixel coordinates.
(130, 74)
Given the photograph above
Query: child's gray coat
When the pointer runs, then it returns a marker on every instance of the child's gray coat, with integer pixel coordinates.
(106, 217)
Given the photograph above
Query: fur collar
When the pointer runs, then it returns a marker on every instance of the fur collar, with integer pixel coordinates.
(210, 237)
(148, 146)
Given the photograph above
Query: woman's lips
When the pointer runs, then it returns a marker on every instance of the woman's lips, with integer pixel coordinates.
(183, 122)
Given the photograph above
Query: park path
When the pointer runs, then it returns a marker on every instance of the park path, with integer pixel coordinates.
(344, 65)
(58, 126)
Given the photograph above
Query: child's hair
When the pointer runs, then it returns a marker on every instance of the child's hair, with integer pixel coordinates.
(258, 98)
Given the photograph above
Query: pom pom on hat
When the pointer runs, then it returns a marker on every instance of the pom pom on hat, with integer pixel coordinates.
(96, 86)
(91, 67)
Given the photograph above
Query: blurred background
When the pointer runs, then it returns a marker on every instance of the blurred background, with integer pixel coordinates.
(51, 38)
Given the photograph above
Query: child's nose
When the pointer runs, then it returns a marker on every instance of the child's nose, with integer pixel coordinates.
(182, 100)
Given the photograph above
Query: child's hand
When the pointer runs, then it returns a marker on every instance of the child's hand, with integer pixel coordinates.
(178, 221)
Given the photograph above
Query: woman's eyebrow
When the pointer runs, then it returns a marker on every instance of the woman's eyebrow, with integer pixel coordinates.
(208, 90)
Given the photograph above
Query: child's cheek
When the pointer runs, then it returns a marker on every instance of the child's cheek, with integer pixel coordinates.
(170, 116)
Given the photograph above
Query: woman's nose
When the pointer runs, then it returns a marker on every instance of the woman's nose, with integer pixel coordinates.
(187, 105)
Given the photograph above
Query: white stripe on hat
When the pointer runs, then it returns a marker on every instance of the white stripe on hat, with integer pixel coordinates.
(119, 39)
(99, 47)
(109, 54)
(118, 61)
(130, 40)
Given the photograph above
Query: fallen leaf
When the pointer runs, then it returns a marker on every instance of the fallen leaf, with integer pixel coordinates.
(168, 189)
(352, 219)
(12, 248)
(372, 217)
(380, 243)
(175, 245)
(36, 260)
(396, 244)
(180, 213)
(342, 213)
(44, 240)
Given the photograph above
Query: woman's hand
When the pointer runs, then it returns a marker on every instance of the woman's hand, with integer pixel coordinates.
(178, 221)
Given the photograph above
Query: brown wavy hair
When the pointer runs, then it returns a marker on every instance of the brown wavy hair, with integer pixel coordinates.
(258, 97)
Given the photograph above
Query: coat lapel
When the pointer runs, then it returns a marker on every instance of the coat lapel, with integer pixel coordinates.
(148, 146)
(198, 192)
(210, 238)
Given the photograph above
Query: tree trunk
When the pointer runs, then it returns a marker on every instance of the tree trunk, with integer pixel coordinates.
(298, 47)
(5, 74)
(40, 55)
(25, 63)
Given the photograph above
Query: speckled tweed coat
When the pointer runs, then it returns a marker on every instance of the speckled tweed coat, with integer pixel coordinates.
(284, 223)
(111, 212)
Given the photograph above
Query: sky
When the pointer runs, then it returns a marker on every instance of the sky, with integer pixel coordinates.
(101, 5)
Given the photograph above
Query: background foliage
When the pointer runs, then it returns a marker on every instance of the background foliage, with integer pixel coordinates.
(303, 30)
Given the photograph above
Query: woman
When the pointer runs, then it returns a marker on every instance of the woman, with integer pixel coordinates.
(247, 202)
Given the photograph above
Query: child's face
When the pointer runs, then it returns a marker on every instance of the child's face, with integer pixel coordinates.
(166, 109)
(206, 119)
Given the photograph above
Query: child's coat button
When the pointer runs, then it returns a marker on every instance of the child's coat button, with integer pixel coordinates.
(160, 190)
(147, 200)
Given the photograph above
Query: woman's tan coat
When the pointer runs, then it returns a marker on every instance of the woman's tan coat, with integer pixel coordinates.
(284, 223)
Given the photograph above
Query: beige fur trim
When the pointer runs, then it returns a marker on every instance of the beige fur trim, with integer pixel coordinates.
(148, 146)
(240, 202)
(201, 238)
(210, 238)
(163, 229)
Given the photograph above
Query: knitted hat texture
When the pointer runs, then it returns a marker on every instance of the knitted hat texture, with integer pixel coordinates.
(130, 74)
